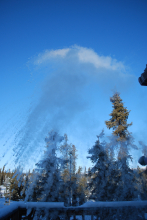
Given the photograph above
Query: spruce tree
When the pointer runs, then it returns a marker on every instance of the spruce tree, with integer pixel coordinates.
(45, 178)
(69, 186)
(98, 185)
(82, 191)
(126, 185)
(45, 182)
(26, 183)
(119, 124)
(73, 175)
(65, 150)
(119, 116)
(16, 187)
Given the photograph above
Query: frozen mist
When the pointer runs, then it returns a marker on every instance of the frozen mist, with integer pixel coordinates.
(67, 80)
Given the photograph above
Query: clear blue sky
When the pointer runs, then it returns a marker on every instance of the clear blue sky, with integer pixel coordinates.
(59, 63)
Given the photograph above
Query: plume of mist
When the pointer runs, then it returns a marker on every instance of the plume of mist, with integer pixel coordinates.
(66, 77)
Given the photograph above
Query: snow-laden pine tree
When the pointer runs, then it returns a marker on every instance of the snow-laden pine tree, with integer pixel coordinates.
(101, 186)
(69, 185)
(126, 186)
(82, 183)
(73, 175)
(65, 192)
(46, 179)
(16, 185)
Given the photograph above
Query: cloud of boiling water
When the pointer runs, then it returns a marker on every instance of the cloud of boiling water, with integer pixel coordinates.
(68, 77)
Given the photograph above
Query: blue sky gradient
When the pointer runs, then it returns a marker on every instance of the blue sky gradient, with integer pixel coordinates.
(60, 62)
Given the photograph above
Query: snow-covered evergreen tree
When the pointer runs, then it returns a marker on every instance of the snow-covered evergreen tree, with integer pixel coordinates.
(82, 191)
(142, 180)
(127, 185)
(69, 185)
(45, 181)
(65, 149)
(100, 172)
(16, 185)
(48, 170)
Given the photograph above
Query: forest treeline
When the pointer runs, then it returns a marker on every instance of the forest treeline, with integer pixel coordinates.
(57, 178)
(17, 184)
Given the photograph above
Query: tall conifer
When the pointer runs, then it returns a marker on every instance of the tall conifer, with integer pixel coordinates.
(119, 116)
(82, 191)
(98, 185)
(46, 181)
(126, 186)
(69, 186)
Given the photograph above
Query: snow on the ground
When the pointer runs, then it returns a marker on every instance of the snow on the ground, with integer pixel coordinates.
(2, 190)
